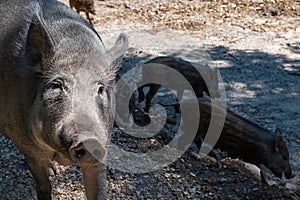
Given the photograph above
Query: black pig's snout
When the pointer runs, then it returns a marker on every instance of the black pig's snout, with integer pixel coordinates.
(88, 151)
(288, 173)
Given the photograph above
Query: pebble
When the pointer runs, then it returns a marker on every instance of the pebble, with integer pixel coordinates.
(221, 173)
(222, 180)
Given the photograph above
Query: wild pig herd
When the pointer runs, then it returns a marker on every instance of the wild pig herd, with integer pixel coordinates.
(57, 91)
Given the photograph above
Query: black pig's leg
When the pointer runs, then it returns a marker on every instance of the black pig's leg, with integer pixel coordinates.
(179, 97)
(152, 91)
(141, 94)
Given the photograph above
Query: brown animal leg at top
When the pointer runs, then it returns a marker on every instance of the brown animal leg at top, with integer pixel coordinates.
(71, 3)
(88, 17)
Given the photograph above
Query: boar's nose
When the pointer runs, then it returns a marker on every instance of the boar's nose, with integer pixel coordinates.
(87, 151)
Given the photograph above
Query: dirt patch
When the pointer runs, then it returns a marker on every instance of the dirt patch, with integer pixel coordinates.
(195, 15)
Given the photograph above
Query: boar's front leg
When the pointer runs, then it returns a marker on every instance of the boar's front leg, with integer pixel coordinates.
(39, 168)
(94, 178)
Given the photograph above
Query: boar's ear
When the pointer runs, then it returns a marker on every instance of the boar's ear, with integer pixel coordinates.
(39, 44)
(279, 143)
(115, 54)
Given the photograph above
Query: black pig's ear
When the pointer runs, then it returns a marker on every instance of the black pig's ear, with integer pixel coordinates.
(115, 54)
(39, 44)
(279, 144)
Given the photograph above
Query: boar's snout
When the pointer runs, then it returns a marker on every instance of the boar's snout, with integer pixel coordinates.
(288, 173)
(88, 150)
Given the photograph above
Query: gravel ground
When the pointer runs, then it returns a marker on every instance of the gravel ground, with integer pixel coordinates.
(256, 47)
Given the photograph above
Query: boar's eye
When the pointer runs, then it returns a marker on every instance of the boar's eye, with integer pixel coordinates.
(101, 89)
(52, 92)
(56, 85)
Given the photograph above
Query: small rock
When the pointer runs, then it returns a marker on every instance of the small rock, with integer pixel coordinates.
(221, 173)
(223, 180)
(176, 176)
(192, 174)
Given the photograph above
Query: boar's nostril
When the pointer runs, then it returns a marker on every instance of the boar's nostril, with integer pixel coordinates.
(88, 151)
(79, 153)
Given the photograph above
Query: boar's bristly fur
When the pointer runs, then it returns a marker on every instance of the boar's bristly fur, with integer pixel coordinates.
(56, 90)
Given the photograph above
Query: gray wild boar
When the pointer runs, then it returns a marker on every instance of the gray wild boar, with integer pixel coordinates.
(188, 71)
(244, 139)
(86, 6)
(56, 90)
